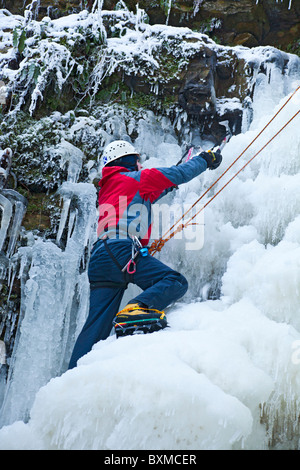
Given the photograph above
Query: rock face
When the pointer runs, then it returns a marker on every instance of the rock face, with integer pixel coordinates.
(245, 22)
(42, 8)
(57, 65)
(197, 95)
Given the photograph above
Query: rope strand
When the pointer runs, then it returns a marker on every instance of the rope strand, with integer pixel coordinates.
(223, 187)
(158, 244)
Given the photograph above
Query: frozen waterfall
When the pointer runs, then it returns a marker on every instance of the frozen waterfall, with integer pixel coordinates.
(55, 297)
(226, 374)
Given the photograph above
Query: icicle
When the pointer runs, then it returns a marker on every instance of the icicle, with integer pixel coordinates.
(13, 209)
(32, 10)
(2, 353)
(63, 219)
(97, 9)
(11, 278)
(7, 210)
(197, 4)
(169, 11)
(54, 301)
(70, 156)
(19, 212)
(3, 268)
(72, 221)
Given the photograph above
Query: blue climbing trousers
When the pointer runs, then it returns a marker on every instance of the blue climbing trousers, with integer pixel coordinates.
(160, 284)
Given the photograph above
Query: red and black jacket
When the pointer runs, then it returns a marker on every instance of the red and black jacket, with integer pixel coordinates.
(125, 197)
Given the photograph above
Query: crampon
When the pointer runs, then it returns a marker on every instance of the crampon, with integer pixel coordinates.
(134, 319)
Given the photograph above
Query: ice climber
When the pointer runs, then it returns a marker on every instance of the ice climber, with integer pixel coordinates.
(119, 256)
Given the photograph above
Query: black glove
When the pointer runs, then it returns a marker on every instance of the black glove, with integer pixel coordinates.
(213, 159)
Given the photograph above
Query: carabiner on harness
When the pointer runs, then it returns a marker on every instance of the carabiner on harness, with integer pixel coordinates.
(137, 248)
(143, 250)
(131, 266)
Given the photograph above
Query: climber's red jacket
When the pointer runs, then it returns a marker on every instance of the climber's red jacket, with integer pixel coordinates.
(125, 197)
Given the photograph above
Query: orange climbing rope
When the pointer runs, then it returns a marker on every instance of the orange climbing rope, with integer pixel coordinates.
(157, 245)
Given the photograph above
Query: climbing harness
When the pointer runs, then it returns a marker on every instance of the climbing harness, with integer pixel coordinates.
(128, 270)
(157, 245)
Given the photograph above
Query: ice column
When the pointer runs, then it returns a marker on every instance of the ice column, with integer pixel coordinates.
(54, 303)
(13, 207)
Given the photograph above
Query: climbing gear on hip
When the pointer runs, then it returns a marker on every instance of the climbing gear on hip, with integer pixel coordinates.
(137, 249)
(135, 319)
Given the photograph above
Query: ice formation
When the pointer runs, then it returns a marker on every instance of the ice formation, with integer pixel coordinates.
(226, 374)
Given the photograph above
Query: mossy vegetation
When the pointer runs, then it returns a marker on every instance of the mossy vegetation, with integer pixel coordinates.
(294, 47)
(37, 216)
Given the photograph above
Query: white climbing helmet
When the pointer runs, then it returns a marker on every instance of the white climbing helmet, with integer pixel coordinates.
(117, 149)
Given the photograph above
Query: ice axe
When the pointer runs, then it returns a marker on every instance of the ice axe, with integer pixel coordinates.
(198, 149)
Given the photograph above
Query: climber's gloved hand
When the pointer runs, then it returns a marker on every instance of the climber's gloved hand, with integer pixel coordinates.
(213, 159)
